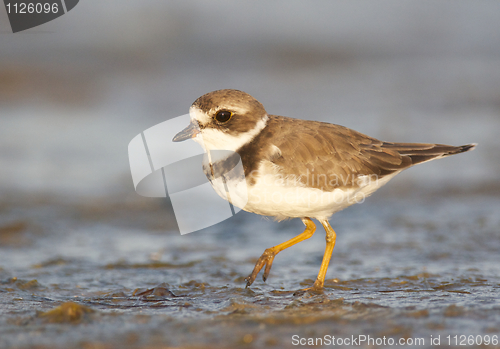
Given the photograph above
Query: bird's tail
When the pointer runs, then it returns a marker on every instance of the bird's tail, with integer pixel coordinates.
(422, 152)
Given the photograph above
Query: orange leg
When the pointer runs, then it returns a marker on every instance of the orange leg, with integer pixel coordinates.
(330, 244)
(269, 254)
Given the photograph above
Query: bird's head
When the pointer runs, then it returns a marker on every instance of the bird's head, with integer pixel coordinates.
(224, 120)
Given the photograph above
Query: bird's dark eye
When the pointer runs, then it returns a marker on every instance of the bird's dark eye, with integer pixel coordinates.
(223, 116)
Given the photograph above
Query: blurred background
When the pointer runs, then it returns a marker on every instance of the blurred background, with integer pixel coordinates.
(75, 91)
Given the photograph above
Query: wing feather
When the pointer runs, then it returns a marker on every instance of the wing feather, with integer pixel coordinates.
(311, 148)
(333, 155)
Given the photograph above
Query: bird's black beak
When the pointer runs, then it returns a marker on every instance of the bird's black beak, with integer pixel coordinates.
(189, 132)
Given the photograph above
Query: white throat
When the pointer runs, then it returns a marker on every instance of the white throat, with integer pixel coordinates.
(213, 139)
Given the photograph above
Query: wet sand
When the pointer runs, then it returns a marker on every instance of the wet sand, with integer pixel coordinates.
(118, 275)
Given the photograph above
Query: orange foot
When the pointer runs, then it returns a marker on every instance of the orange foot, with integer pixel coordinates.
(266, 259)
(269, 254)
(317, 287)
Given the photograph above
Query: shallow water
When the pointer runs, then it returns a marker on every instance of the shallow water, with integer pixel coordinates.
(413, 267)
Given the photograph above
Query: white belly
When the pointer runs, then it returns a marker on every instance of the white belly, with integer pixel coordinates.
(270, 196)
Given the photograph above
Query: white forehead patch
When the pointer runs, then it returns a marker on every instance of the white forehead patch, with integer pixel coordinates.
(198, 115)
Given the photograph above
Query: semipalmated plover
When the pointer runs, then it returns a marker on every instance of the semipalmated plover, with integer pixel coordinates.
(297, 168)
